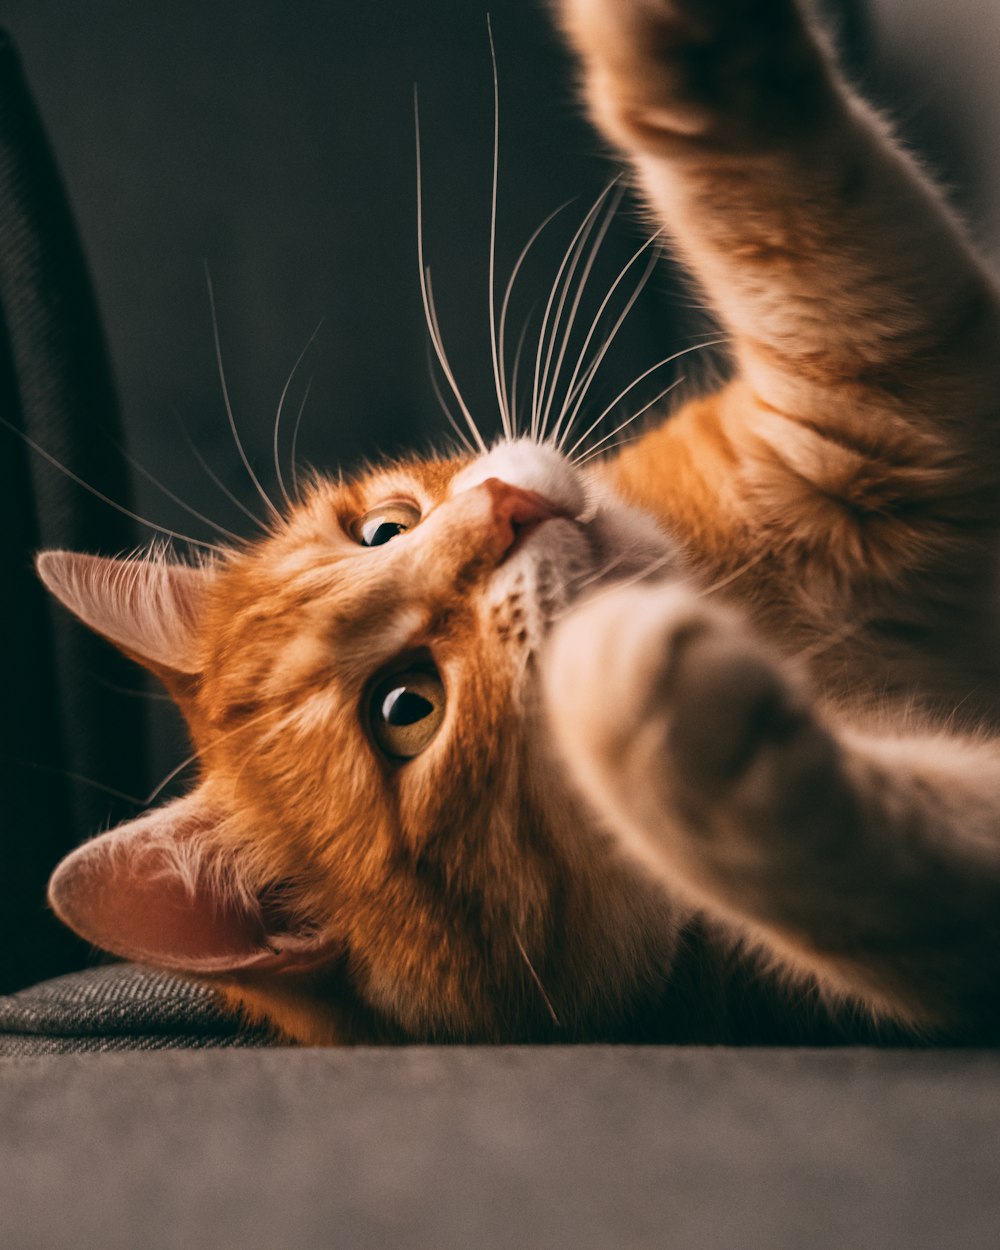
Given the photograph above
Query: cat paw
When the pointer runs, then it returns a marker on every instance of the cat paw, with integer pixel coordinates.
(731, 72)
(691, 741)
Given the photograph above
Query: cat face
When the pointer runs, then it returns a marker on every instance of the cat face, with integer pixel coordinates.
(381, 828)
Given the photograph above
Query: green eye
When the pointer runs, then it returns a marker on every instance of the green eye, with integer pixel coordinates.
(386, 522)
(406, 711)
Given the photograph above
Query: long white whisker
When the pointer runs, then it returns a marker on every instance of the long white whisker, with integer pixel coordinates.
(538, 981)
(573, 258)
(153, 695)
(71, 776)
(652, 567)
(133, 516)
(439, 352)
(295, 437)
(425, 293)
(443, 404)
(174, 772)
(686, 351)
(582, 232)
(498, 379)
(581, 285)
(181, 503)
(192, 758)
(238, 503)
(600, 572)
(587, 456)
(569, 414)
(281, 405)
(517, 365)
(630, 420)
(510, 395)
(229, 407)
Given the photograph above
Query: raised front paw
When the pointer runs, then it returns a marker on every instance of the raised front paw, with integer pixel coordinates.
(733, 73)
(691, 741)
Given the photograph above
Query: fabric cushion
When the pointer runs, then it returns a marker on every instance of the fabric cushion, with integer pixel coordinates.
(450, 1148)
(119, 1007)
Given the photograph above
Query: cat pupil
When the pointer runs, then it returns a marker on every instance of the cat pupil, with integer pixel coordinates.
(405, 707)
(376, 533)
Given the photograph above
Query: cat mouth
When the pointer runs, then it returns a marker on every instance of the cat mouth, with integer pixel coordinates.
(523, 533)
(529, 511)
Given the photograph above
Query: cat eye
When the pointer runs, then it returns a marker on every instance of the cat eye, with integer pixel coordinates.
(386, 522)
(406, 711)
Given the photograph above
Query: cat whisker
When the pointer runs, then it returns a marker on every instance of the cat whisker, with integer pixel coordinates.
(185, 763)
(593, 252)
(229, 407)
(806, 654)
(106, 499)
(538, 981)
(511, 393)
(599, 452)
(460, 434)
(515, 374)
(597, 574)
(134, 800)
(737, 573)
(576, 392)
(571, 259)
(71, 776)
(439, 349)
(174, 772)
(295, 438)
(575, 399)
(686, 351)
(498, 377)
(596, 447)
(238, 503)
(654, 566)
(281, 404)
(430, 315)
(181, 503)
(153, 695)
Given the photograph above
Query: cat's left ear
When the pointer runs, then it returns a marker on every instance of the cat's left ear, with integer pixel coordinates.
(159, 890)
(148, 608)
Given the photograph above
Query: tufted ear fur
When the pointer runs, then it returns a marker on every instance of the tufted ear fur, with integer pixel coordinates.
(153, 891)
(148, 608)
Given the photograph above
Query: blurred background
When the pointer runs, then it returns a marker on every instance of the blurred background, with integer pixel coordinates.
(271, 147)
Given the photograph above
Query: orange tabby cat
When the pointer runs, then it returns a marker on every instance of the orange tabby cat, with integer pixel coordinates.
(424, 813)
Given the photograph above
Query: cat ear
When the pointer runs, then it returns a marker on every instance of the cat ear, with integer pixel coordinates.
(149, 608)
(149, 891)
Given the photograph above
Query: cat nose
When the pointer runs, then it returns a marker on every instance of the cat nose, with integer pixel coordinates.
(514, 512)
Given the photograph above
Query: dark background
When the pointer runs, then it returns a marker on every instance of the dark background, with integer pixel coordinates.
(273, 145)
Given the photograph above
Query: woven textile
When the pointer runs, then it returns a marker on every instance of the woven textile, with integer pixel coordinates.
(120, 1007)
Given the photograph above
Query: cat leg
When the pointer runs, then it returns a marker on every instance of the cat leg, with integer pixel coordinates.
(871, 863)
(852, 468)
(827, 253)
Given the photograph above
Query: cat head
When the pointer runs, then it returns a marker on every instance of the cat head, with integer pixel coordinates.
(381, 841)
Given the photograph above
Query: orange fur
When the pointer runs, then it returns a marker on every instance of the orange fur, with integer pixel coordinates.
(760, 759)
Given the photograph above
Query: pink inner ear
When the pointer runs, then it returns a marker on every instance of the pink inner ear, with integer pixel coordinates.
(147, 891)
(150, 608)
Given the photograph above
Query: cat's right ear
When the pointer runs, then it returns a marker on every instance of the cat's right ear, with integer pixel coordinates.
(149, 608)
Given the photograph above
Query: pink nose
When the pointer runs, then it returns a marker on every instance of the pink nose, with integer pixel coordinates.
(516, 512)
